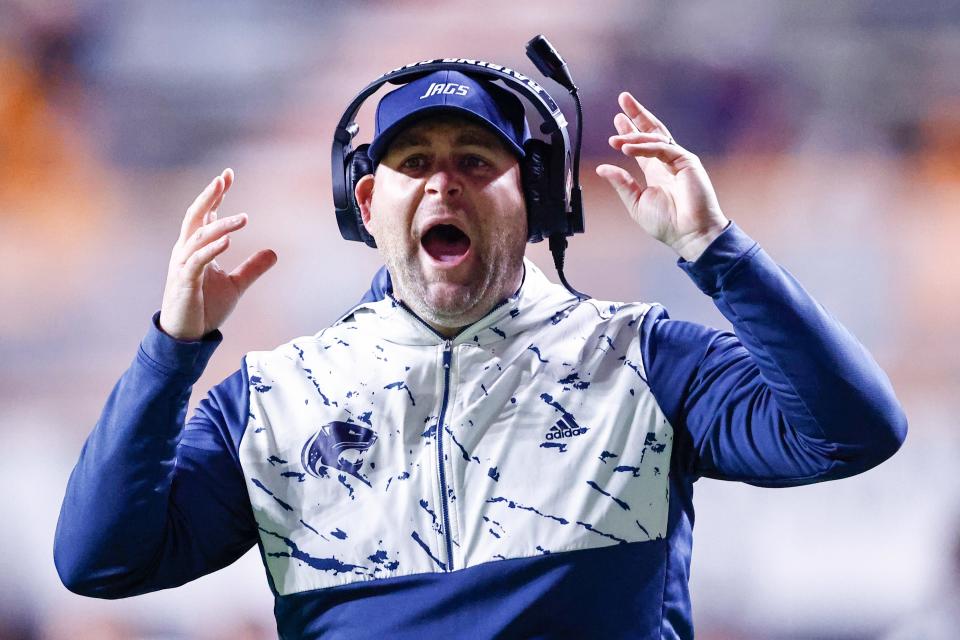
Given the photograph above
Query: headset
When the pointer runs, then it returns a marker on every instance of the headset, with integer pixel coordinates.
(549, 169)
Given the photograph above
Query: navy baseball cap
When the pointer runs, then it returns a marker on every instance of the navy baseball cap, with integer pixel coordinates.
(450, 91)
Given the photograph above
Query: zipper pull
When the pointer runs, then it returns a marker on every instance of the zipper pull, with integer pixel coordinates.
(447, 353)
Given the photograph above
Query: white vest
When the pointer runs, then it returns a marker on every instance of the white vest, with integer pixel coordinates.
(551, 440)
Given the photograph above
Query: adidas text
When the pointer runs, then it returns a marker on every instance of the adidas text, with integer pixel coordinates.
(561, 430)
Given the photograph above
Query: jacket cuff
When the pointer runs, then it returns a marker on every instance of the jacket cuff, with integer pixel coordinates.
(721, 258)
(182, 357)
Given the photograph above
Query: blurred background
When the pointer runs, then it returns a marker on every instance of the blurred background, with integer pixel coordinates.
(831, 130)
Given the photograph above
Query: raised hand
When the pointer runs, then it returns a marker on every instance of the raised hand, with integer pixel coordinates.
(672, 198)
(199, 294)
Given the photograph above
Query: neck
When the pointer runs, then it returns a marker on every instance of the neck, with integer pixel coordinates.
(456, 325)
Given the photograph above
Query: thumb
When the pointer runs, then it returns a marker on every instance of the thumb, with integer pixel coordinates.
(252, 268)
(623, 183)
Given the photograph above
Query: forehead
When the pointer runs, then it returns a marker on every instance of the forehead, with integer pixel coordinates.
(448, 129)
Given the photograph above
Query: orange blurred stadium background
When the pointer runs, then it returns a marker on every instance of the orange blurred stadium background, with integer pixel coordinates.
(831, 131)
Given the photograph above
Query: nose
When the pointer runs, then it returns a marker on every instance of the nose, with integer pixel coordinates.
(444, 182)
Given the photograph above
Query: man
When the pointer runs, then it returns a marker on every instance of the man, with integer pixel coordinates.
(471, 451)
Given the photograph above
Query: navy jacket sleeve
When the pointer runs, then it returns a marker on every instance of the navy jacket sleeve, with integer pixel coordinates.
(153, 503)
(792, 398)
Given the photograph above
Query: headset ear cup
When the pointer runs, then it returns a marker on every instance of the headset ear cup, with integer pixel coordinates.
(535, 173)
(359, 164)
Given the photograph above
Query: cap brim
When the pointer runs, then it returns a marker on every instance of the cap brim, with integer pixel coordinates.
(378, 148)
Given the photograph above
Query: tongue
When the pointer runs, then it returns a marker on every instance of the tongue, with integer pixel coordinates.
(446, 243)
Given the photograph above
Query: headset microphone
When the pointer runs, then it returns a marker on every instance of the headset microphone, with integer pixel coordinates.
(548, 61)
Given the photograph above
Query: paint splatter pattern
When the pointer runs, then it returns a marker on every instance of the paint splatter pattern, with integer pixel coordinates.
(551, 441)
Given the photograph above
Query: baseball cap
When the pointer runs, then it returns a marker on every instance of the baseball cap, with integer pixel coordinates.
(450, 91)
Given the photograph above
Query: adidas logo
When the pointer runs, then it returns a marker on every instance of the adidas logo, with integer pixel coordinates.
(563, 430)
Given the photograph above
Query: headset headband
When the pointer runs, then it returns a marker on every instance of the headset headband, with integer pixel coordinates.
(554, 123)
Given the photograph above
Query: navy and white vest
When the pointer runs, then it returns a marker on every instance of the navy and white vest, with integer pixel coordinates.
(377, 448)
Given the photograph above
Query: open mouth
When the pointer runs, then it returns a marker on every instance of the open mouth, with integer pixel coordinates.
(445, 243)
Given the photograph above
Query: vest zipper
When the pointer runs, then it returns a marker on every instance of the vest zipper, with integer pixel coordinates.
(445, 513)
(447, 356)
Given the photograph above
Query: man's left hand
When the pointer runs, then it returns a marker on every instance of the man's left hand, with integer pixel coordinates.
(672, 198)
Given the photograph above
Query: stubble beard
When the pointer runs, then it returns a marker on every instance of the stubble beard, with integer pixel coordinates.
(442, 303)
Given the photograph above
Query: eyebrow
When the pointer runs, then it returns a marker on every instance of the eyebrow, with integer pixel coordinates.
(478, 139)
(407, 139)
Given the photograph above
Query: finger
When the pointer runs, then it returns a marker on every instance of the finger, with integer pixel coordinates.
(623, 124)
(670, 155)
(252, 268)
(228, 179)
(197, 211)
(211, 232)
(640, 115)
(623, 183)
(196, 263)
(636, 137)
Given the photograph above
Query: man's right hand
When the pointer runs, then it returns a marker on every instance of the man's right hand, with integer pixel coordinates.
(199, 294)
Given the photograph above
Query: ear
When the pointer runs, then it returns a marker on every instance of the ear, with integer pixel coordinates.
(363, 192)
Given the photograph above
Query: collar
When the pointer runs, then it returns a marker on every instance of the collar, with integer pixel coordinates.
(536, 301)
